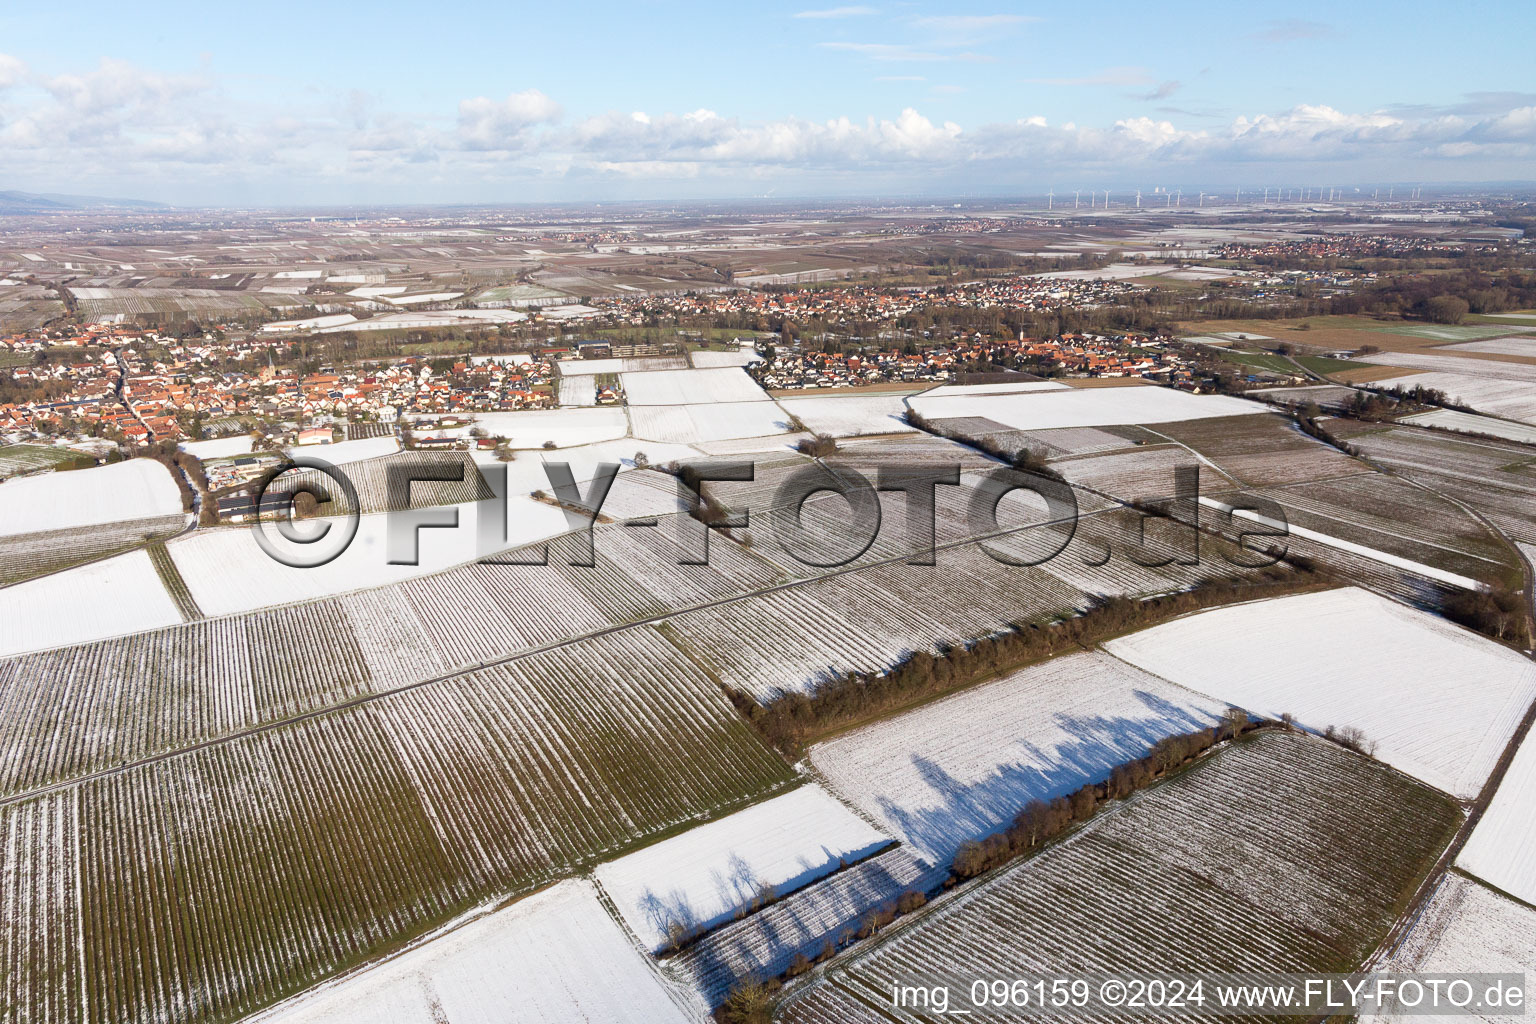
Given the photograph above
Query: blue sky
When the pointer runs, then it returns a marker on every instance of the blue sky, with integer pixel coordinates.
(472, 102)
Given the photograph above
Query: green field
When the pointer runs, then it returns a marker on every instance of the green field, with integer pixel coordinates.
(1260, 361)
(1325, 365)
(27, 458)
(1447, 332)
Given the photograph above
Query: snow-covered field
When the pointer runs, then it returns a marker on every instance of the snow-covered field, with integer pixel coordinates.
(565, 427)
(343, 452)
(961, 767)
(1496, 396)
(118, 595)
(724, 421)
(1440, 701)
(1499, 388)
(1465, 928)
(1469, 423)
(850, 415)
(227, 572)
(1085, 407)
(219, 448)
(1516, 345)
(1113, 272)
(553, 958)
(135, 489)
(1385, 557)
(1022, 387)
(691, 387)
(578, 390)
(706, 359)
(702, 877)
(1502, 849)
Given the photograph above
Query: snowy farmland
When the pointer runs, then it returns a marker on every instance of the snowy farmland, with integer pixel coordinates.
(961, 767)
(219, 448)
(685, 424)
(1465, 928)
(850, 415)
(1281, 853)
(122, 491)
(691, 387)
(1440, 701)
(1084, 407)
(343, 452)
(117, 595)
(226, 571)
(403, 811)
(556, 956)
(565, 427)
(1497, 388)
(1502, 849)
(698, 880)
(706, 359)
(1470, 423)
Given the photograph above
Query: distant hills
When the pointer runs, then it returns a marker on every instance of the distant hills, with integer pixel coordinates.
(53, 202)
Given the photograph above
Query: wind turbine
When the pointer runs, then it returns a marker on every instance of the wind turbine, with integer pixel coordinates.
(1138, 199)
(1202, 199)
(1050, 199)
(1180, 201)
(1239, 197)
(1167, 199)
(1106, 199)
(1076, 197)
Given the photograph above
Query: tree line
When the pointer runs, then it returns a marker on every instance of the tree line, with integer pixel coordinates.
(794, 719)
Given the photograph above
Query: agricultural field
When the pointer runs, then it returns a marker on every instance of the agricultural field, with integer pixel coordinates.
(1136, 474)
(1500, 389)
(1385, 515)
(578, 390)
(850, 415)
(691, 387)
(429, 802)
(1083, 407)
(121, 594)
(95, 304)
(1439, 701)
(1500, 851)
(1516, 345)
(30, 458)
(697, 881)
(567, 428)
(1493, 477)
(343, 452)
(119, 492)
(1469, 423)
(721, 421)
(556, 955)
(228, 572)
(370, 478)
(703, 358)
(961, 767)
(25, 555)
(220, 448)
(1260, 451)
(1280, 853)
(765, 943)
(1465, 928)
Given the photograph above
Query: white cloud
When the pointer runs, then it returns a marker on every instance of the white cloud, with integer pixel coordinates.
(118, 125)
(13, 70)
(500, 124)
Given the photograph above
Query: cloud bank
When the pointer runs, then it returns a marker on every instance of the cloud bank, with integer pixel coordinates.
(121, 123)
